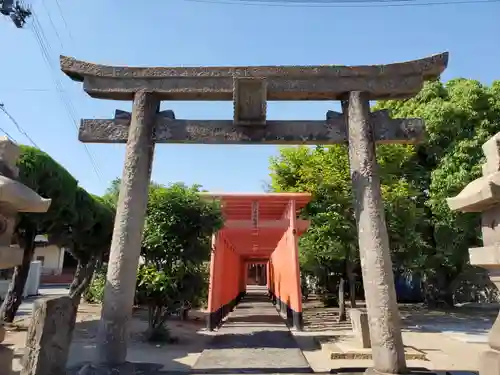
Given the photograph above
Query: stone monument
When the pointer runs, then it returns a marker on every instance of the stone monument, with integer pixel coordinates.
(249, 88)
(360, 327)
(483, 195)
(49, 336)
(14, 197)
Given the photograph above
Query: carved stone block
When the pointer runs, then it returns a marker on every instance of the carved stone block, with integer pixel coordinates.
(491, 149)
(490, 226)
(9, 154)
(49, 337)
(361, 327)
(250, 95)
(10, 256)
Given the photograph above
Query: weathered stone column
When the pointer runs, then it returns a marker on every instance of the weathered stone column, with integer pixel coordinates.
(49, 336)
(378, 278)
(127, 235)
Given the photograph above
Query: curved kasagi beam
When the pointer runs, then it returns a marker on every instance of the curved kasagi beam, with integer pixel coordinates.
(322, 82)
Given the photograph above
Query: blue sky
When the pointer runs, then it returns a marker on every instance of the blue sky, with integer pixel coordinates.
(181, 32)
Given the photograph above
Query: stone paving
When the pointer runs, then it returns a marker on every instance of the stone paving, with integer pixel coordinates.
(253, 339)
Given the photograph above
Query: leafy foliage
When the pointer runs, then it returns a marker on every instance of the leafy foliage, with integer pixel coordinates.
(426, 239)
(112, 192)
(44, 175)
(328, 251)
(76, 220)
(176, 244)
(95, 292)
(460, 116)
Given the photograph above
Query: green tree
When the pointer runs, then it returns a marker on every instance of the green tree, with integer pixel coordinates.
(44, 175)
(460, 116)
(87, 238)
(329, 250)
(426, 239)
(112, 192)
(175, 246)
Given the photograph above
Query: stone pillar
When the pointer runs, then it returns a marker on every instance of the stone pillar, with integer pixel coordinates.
(127, 235)
(378, 278)
(483, 195)
(49, 337)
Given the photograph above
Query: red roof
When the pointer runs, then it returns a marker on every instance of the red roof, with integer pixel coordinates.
(256, 222)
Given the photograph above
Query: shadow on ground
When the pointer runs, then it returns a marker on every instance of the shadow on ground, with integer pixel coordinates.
(417, 318)
(171, 357)
(411, 371)
(258, 350)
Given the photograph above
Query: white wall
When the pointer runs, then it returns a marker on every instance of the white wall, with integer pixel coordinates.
(52, 261)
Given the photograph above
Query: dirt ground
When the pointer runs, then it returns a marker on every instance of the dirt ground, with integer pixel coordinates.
(191, 335)
(424, 330)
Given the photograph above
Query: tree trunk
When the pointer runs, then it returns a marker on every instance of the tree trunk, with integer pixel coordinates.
(351, 277)
(184, 314)
(342, 314)
(438, 293)
(14, 295)
(82, 278)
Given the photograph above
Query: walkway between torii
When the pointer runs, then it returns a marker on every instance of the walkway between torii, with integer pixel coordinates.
(259, 229)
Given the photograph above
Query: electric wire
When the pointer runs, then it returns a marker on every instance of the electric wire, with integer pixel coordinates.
(9, 89)
(8, 135)
(44, 46)
(19, 128)
(61, 13)
(52, 24)
(341, 3)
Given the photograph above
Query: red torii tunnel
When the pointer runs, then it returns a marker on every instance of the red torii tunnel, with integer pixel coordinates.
(258, 229)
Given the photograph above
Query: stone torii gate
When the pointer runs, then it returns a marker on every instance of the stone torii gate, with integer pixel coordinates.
(250, 88)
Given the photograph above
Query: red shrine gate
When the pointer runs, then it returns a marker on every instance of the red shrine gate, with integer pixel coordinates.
(259, 229)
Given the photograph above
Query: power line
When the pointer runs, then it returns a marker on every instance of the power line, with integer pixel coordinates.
(61, 13)
(8, 135)
(10, 89)
(44, 45)
(53, 24)
(341, 3)
(19, 128)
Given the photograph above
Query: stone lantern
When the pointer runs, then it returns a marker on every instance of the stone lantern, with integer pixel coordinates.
(483, 195)
(14, 198)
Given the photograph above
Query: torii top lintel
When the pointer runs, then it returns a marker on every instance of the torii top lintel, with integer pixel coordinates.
(322, 82)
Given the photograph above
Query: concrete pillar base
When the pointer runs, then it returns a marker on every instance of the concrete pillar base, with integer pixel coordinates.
(372, 371)
(6, 358)
(489, 363)
(409, 371)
